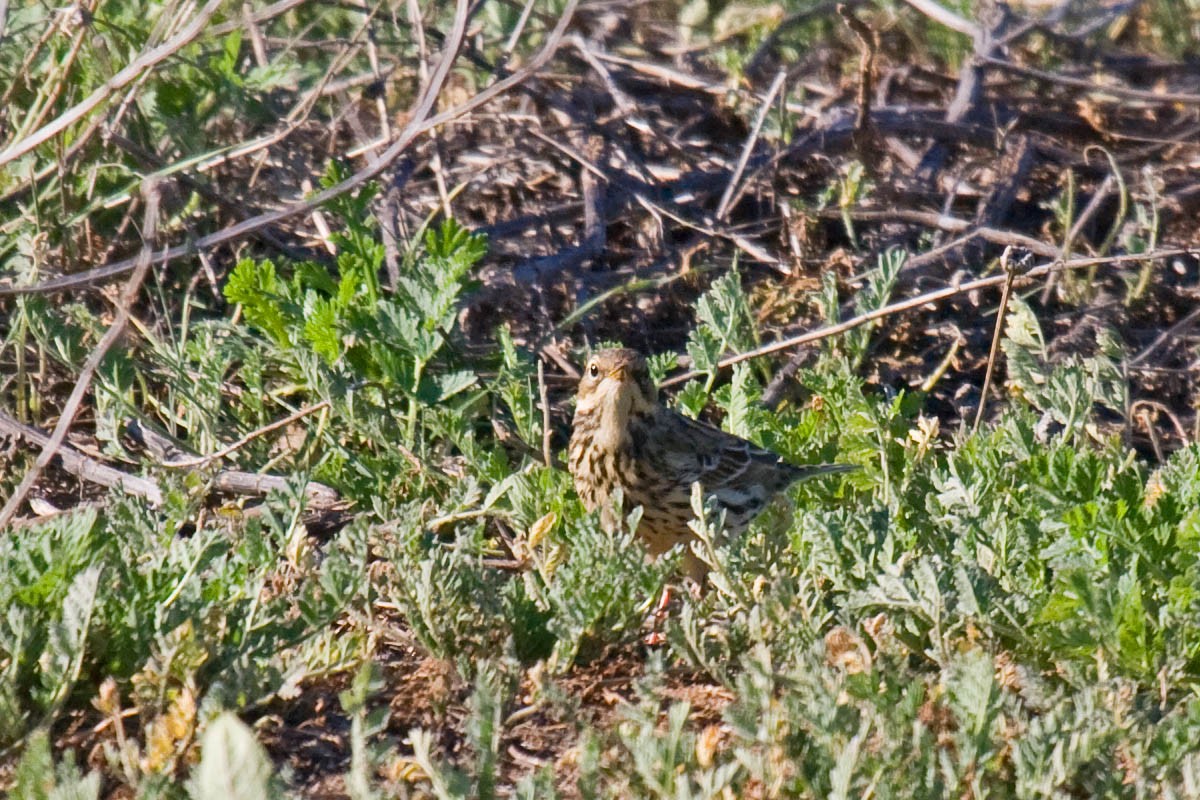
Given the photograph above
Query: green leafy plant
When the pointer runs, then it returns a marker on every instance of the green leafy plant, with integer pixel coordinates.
(725, 326)
(484, 728)
(232, 764)
(596, 588)
(1066, 391)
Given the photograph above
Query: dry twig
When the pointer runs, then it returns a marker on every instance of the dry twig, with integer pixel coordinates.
(929, 297)
(868, 41)
(748, 147)
(257, 433)
(1011, 272)
(83, 466)
(319, 497)
(1114, 94)
(945, 222)
(1170, 333)
(544, 398)
(945, 17)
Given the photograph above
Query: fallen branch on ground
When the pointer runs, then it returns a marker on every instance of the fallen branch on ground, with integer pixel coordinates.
(84, 467)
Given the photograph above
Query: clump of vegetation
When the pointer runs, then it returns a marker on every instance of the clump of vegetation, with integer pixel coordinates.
(1010, 608)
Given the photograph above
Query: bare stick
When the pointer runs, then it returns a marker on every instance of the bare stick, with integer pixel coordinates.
(1152, 432)
(1098, 197)
(667, 75)
(943, 365)
(519, 27)
(929, 297)
(71, 407)
(1169, 333)
(257, 45)
(199, 461)
(1011, 272)
(1118, 93)
(435, 160)
(539, 268)
(623, 102)
(48, 96)
(748, 147)
(263, 15)
(950, 224)
(547, 456)
(318, 496)
(868, 42)
(595, 224)
(1157, 406)
(231, 481)
(85, 467)
(944, 16)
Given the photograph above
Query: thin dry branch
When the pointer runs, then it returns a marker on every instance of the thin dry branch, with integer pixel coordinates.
(257, 17)
(938, 295)
(519, 27)
(1136, 413)
(82, 466)
(945, 17)
(748, 148)
(257, 433)
(967, 104)
(1099, 91)
(319, 497)
(868, 42)
(1170, 333)
(624, 103)
(544, 400)
(1011, 272)
(945, 222)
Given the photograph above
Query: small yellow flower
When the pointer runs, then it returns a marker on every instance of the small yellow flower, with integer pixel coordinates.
(707, 745)
(1154, 489)
(925, 434)
(539, 529)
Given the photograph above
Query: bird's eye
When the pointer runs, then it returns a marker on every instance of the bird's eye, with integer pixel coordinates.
(593, 370)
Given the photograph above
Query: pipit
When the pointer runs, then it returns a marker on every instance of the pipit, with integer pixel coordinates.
(623, 437)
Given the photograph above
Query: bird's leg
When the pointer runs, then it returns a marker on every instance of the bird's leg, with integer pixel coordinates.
(658, 618)
(660, 611)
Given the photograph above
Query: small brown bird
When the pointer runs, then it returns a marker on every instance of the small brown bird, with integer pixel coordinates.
(623, 437)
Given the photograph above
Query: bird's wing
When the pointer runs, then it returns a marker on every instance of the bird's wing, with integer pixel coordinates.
(677, 452)
(695, 451)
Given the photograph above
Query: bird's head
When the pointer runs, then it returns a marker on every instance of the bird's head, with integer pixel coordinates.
(617, 384)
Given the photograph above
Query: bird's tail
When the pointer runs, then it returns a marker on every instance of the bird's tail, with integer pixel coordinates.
(813, 470)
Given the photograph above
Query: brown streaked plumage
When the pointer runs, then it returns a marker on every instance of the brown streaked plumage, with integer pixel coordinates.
(623, 437)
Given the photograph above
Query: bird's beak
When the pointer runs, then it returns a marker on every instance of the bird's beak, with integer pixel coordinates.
(619, 374)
